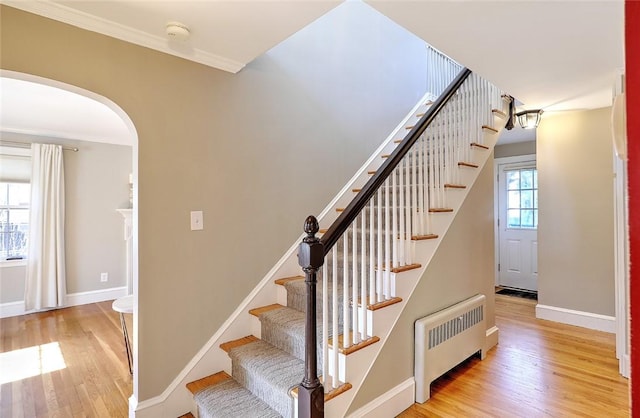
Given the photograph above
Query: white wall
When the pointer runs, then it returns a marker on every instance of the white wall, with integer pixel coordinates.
(575, 231)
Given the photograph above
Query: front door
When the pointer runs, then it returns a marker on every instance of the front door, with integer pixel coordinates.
(517, 225)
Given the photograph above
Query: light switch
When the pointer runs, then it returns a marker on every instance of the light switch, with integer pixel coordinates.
(197, 221)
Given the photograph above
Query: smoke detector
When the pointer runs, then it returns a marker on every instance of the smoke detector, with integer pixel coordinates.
(178, 31)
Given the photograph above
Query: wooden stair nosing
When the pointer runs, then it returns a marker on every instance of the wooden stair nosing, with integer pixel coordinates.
(466, 164)
(383, 304)
(354, 347)
(187, 415)
(499, 112)
(440, 210)
(423, 237)
(476, 145)
(385, 156)
(329, 395)
(371, 172)
(454, 186)
(356, 190)
(229, 345)
(489, 128)
(197, 385)
(259, 311)
(419, 115)
(284, 280)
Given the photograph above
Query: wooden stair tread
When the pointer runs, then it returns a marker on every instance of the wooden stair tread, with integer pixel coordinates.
(454, 186)
(339, 210)
(419, 115)
(466, 164)
(385, 156)
(440, 210)
(406, 267)
(423, 237)
(187, 415)
(383, 304)
(499, 112)
(428, 103)
(329, 395)
(476, 145)
(408, 128)
(489, 128)
(371, 172)
(356, 190)
(259, 311)
(197, 385)
(286, 280)
(397, 141)
(229, 345)
(354, 347)
(323, 231)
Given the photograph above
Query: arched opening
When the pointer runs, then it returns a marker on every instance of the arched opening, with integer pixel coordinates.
(36, 109)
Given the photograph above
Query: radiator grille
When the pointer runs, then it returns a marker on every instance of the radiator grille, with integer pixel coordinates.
(455, 326)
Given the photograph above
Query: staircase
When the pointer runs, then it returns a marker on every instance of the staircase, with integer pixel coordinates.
(382, 231)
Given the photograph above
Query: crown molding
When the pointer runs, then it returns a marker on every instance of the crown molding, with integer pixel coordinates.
(92, 23)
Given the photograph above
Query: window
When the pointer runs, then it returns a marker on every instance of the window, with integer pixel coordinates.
(522, 198)
(14, 220)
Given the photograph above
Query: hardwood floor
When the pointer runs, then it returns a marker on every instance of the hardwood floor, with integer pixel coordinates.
(85, 344)
(539, 369)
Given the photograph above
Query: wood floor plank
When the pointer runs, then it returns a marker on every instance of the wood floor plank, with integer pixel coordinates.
(95, 381)
(539, 368)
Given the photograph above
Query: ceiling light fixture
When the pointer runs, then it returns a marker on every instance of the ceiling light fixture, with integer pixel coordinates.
(178, 31)
(529, 119)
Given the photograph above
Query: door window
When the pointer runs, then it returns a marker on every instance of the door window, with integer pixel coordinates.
(522, 198)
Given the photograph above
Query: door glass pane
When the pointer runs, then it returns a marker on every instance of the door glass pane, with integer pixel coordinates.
(526, 177)
(513, 218)
(514, 199)
(535, 179)
(526, 199)
(535, 199)
(513, 180)
(526, 218)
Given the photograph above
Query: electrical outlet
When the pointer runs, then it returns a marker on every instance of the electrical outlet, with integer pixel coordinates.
(104, 277)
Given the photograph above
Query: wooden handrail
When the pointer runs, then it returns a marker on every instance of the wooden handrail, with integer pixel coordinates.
(350, 213)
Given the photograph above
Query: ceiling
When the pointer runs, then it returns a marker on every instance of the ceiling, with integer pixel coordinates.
(556, 55)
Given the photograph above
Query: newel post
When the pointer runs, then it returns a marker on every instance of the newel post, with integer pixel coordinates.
(311, 258)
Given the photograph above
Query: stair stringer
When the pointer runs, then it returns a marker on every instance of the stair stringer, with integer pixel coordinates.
(385, 319)
(175, 399)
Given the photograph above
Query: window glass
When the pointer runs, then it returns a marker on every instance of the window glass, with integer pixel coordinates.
(14, 220)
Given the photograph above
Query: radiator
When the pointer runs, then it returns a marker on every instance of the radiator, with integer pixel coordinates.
(445, 339)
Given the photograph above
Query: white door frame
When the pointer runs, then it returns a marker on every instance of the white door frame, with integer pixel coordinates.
(621, 266)
(497, 162)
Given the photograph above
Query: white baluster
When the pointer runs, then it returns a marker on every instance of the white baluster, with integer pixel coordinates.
(345, 291)
(325, 323)
(334, 316)
(363, 277)
(355, 281)
(387, 234)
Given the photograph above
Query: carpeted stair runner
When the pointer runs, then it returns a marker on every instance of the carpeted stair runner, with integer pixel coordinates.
(267, 372)
(228, 399)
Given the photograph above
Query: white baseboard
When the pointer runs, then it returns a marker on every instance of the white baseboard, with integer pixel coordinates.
(74, 299)
(625, 366)
(578, 318)
(391, 403)
(491, 339)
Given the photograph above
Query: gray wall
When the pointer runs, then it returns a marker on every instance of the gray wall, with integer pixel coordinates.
(517, 148)
(462, 267)
(575, 230)
(96, 184)
(256, 151)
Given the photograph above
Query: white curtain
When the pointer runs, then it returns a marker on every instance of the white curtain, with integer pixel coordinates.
(45, 281)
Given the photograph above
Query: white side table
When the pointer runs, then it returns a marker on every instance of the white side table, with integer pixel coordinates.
(124, 305)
